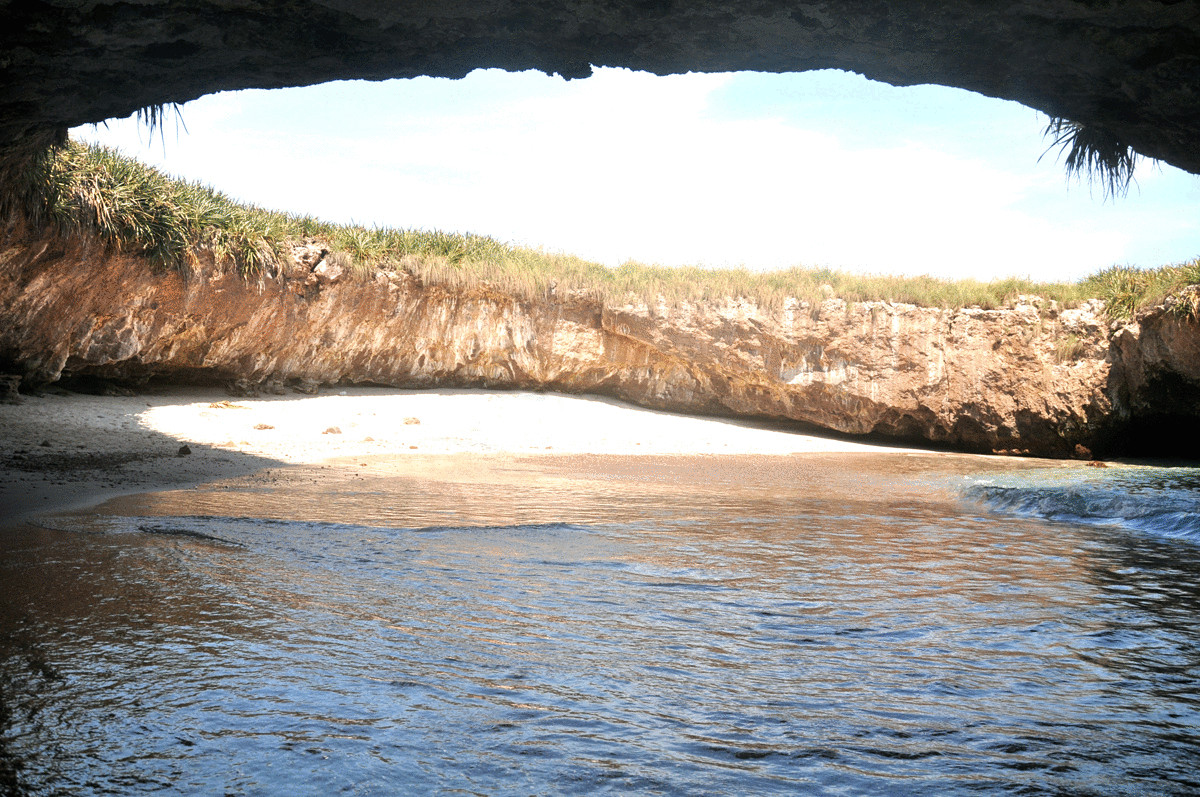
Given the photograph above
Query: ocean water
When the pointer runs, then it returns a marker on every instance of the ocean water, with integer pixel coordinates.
(843, 625)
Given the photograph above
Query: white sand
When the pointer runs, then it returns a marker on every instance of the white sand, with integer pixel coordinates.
(98, 446)
(376, 421)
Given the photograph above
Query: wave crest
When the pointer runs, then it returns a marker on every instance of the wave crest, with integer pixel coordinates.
(1161, 501)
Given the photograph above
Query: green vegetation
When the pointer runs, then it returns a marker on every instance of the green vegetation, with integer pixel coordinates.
(1069, 348)
(1126, 290)
(91, 191)
(84, 191)
(1095, 154)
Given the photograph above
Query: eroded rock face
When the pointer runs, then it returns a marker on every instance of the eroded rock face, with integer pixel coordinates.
(972, 379)
(1130, 67)
(1156, 380)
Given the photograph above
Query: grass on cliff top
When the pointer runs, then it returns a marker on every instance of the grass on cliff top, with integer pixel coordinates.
(83, 190)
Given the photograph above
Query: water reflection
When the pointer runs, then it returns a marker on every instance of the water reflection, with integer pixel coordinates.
(675, 626)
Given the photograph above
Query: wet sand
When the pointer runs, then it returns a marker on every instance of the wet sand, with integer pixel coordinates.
(64, 450)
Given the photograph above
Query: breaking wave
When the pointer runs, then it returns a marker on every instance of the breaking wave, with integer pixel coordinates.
(1159, 500)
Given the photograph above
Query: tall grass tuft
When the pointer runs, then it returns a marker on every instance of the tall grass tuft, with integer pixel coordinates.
(1068, 349)
(1095, 154)
(93, 191)
(154, 119)
(1126, 290)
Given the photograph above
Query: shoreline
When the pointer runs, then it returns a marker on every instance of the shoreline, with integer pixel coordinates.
(65, 450)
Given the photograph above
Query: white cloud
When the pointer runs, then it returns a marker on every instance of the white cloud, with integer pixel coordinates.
(627, 165)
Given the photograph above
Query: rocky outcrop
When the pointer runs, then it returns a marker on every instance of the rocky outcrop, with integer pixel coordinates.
(970, 378)
(1131, 68)
(1155, 378)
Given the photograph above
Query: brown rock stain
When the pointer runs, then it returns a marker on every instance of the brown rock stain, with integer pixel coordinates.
(986, 380)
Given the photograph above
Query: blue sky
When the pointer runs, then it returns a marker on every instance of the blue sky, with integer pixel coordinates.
(766, 171)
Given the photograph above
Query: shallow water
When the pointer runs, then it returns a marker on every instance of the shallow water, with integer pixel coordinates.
(822, 625)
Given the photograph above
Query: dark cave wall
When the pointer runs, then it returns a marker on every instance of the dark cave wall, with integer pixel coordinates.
(1131, 67)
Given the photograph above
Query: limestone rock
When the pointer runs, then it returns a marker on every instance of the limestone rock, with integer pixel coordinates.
(973, 379)
(1156, 379)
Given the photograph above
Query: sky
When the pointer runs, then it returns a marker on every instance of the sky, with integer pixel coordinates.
(744, 169)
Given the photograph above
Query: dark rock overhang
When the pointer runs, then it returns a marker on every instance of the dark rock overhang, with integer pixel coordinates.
(1128, 67)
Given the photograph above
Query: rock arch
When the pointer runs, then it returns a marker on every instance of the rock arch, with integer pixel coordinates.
(1128, 67)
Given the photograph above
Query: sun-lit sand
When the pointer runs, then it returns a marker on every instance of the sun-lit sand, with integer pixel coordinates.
(67, 449)
(298, 429)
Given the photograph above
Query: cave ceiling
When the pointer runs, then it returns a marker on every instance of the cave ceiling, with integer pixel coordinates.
(1127, 67)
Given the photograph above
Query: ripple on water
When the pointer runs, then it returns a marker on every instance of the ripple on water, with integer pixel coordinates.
(676, 641)
(1155, 500)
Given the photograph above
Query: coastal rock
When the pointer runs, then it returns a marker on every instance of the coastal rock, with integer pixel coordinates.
(9, 393)
(1155, 379)
(1128, 68)
(970, 378)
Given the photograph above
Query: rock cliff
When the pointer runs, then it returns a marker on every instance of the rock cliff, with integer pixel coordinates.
(969, 378)
(1155, 380)
(1129, 68)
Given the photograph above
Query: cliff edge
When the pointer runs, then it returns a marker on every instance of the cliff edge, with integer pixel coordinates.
(1028, 378)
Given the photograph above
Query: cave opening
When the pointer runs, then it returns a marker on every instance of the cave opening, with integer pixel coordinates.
(754, 170)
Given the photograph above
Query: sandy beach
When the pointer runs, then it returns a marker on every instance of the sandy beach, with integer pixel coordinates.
(62, 450)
